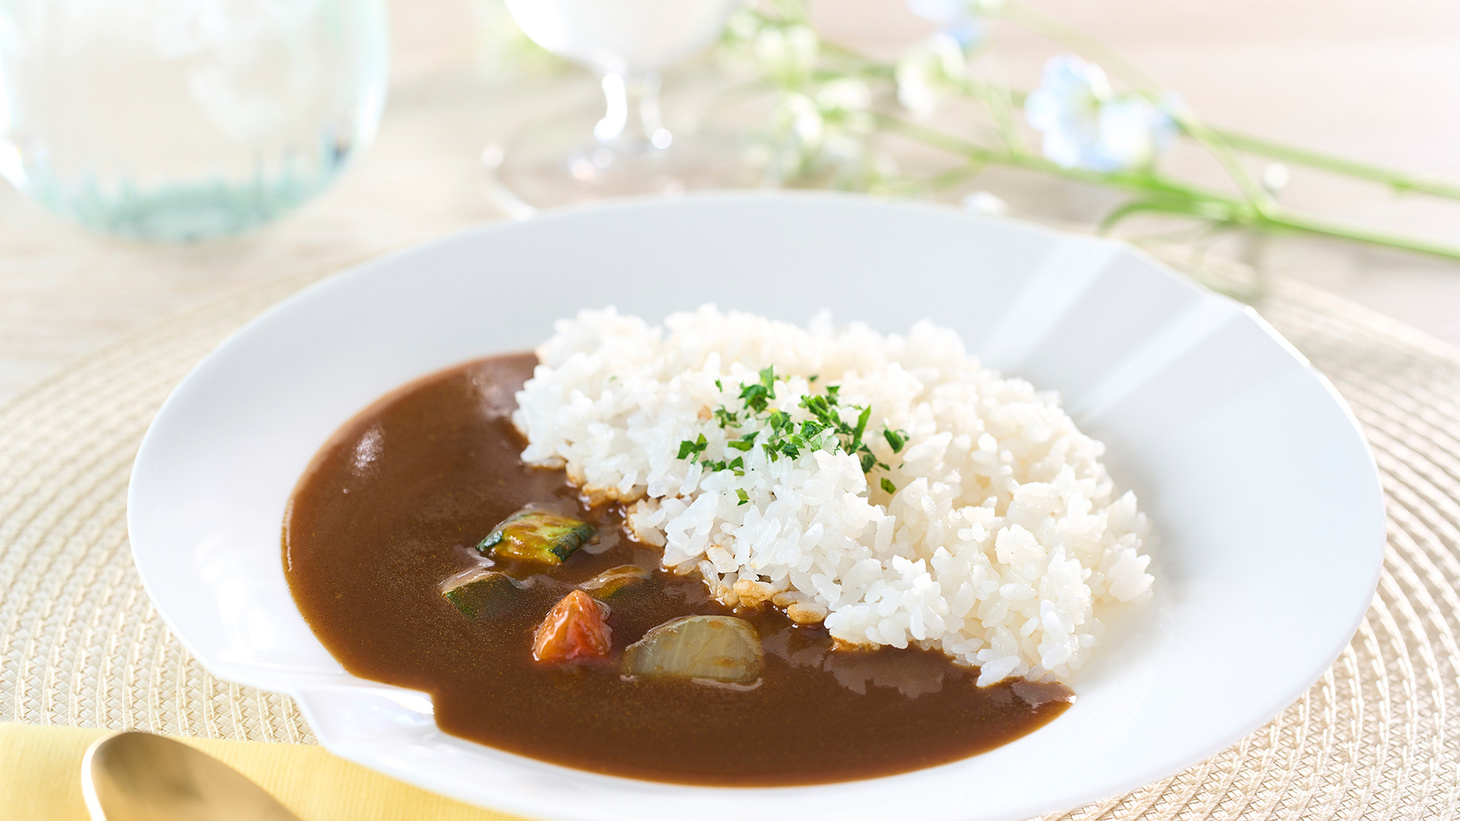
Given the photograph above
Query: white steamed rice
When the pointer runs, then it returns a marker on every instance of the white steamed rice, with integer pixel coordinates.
(1004, 535)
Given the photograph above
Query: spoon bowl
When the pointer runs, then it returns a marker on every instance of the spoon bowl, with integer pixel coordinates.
(134, 776)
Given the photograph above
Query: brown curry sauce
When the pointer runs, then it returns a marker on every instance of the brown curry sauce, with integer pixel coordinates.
(397, 500)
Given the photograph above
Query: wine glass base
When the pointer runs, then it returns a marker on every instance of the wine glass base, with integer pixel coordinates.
(556, 162)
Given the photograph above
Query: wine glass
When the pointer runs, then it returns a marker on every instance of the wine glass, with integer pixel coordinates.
(629, 151)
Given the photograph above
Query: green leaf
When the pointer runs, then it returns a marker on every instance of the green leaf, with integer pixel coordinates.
(692, 450)
(779, 421)
(861, 425)
(895, 438)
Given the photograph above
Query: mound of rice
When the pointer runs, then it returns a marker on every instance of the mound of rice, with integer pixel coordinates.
(1004, 535)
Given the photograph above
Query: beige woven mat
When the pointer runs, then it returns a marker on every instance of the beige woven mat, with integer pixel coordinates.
(1377, 738)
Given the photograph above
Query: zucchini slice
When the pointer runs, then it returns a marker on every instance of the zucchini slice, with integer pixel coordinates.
(480, 593)
(537, 536)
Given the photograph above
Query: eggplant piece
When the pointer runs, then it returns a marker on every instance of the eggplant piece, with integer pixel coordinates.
(711, 648)
(537, 536)
(615, 580)
(481, 594)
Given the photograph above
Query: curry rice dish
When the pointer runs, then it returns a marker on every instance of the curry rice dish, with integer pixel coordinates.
(543, 623)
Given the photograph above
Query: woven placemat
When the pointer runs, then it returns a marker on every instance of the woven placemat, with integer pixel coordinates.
(1377, 737)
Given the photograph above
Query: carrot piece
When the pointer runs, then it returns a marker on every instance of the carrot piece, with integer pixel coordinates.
(576, 627)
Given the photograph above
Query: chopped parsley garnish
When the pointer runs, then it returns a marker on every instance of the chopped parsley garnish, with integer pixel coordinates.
(745, 442)
(895, 438)
(785, 436)
(692, 450)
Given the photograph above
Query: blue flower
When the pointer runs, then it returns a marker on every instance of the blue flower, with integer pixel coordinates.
(963, 20)
(1084, 124)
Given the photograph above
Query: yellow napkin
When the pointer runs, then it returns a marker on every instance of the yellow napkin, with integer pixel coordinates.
(40, 779)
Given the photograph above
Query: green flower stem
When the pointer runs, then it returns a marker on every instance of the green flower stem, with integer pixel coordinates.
(1397, 180)
(1284, 219)
(953, 176)
(1144, 182)
(999, 102)
(1169, 196)
(865, 65)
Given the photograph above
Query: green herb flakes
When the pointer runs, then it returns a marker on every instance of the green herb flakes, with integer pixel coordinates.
(895, 438)
(823, 427)
(692, 450)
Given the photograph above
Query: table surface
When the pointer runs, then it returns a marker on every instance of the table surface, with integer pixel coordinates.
(1373, 79)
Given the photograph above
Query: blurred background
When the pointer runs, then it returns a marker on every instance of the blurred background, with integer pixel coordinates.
(1377, 80)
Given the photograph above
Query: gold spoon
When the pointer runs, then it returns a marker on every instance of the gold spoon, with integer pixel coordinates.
(136, 776)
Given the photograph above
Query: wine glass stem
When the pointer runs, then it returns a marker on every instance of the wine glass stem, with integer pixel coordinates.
(631, 122)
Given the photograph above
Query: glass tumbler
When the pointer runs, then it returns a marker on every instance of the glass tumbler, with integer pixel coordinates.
(180, 120)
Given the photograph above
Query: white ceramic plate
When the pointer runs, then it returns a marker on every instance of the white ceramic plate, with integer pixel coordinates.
(1264, 498)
